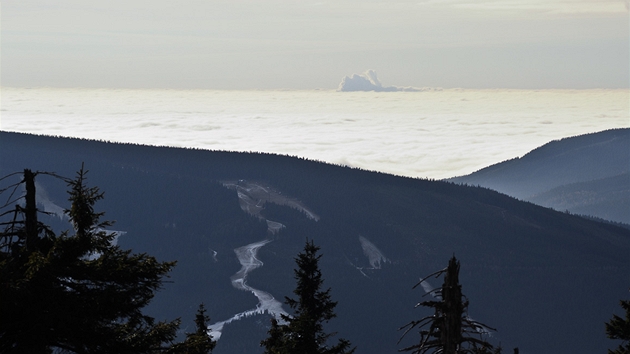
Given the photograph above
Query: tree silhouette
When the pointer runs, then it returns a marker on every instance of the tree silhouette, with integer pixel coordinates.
(619, 328)
(75, 292)
(198, 342)
(303, 332)
(450, 329)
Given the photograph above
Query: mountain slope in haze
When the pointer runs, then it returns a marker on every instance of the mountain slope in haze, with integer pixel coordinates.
(606, 198)
(587, 174)
(547, 280)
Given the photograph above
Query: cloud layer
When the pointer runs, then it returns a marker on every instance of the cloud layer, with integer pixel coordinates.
(436, 134)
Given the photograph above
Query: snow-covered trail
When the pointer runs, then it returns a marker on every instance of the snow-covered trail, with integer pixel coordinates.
(252, 197)
(266, 302)
(247, 257)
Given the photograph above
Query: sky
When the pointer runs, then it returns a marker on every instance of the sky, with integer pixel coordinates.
(282, 44)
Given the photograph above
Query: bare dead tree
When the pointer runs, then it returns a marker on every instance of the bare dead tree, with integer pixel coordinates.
(450, 330)
(23, 227)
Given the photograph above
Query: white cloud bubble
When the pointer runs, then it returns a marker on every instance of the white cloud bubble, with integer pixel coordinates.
(369, 82)
(364, 82)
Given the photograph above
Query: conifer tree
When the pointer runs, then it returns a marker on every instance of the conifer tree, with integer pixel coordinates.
(304, 331)
(198, 342)
(75, 292)
(450, 329)
(619, 328)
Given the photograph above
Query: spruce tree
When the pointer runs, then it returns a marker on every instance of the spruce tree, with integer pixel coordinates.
(304, 331)
(619, 328)
(198, 342)
(75, 292)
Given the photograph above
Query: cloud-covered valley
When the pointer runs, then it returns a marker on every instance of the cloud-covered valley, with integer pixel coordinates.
(435, 134)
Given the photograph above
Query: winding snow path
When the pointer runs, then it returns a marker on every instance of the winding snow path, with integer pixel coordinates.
(252, 198)
(266, 302)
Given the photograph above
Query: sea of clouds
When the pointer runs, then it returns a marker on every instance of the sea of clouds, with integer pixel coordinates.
(425, 133)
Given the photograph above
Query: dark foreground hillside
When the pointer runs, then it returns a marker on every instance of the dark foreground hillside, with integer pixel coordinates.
(546, 280)
(587, 174)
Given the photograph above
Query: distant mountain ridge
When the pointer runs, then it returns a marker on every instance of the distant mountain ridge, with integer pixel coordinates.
(586, 174)
(546, 280)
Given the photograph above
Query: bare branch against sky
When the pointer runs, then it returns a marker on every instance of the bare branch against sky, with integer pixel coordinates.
(244, 44)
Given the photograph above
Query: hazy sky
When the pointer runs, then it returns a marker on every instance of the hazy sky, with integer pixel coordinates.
(271, 44)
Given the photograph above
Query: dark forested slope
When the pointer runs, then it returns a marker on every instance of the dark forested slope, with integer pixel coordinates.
(547, 280)
(586, 174)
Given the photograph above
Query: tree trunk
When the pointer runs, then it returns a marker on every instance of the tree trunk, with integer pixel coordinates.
(453, 311)
(30, 211)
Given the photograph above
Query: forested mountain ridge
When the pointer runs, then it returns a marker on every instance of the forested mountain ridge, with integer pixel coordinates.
(587, 174)
(547, 280)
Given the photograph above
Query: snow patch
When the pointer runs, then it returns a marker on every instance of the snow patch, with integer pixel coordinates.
(253, 196)
(428, 288)
(214, 254)
(374, 255)
(48, 205)
(274, 227)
